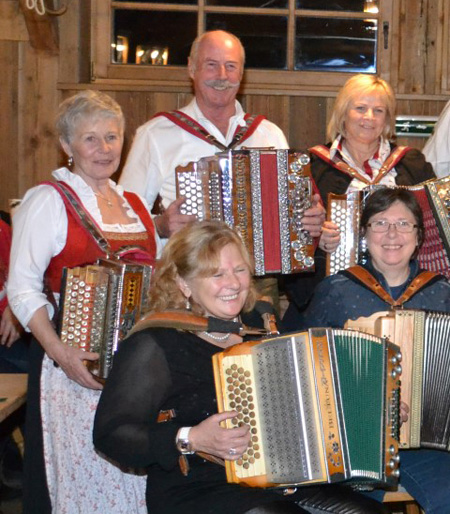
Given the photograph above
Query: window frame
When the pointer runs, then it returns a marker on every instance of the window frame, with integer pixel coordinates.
(256, 81)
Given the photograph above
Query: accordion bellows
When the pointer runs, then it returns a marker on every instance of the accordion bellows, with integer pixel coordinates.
(99, 304)
(424, 339)
(322, 406)
(263, 195)
(434, 199)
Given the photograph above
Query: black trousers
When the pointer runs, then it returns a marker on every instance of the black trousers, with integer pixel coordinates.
(36, 499)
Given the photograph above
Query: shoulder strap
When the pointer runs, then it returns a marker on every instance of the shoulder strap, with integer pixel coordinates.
(366, 278)
(193, 127)
(185, 320)
(85, 220)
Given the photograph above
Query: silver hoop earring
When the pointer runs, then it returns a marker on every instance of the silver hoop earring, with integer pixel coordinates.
(70, 161)
(188, 304)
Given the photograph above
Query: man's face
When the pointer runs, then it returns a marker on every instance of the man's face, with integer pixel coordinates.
(217, 72)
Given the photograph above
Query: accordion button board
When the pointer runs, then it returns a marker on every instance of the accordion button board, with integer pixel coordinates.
(304, 397)
(263, 195)
(99, 304)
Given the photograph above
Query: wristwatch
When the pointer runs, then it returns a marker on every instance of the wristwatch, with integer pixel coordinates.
(182, 441)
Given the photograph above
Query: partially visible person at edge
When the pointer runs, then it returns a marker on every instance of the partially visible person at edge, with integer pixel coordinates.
(437, 148)
(213, 121)
(361, 153)
(14, 345)
(392, 224)
(13, 348)
(204, 269)
(63, 473)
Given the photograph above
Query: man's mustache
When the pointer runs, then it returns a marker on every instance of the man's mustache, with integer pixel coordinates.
(221, 85)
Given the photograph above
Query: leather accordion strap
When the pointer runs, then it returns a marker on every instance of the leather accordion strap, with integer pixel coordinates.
(366, 278)
(324, 153)
(184, 320)
(193, 127)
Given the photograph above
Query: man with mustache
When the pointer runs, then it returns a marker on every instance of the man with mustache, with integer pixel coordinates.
(213, 121)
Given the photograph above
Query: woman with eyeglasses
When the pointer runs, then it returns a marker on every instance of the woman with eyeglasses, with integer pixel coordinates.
(392, 224)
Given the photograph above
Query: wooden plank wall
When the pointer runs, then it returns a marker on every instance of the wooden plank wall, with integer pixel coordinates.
(34, 83)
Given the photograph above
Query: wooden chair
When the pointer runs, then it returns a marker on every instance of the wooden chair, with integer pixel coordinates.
(402, 500)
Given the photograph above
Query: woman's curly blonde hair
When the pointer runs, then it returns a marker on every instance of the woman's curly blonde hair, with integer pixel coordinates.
(194, 252)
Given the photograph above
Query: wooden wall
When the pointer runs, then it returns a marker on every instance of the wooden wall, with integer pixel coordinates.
(35, 80)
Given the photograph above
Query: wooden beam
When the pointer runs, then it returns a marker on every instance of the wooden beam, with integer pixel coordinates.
(42, 30)
(12, 24)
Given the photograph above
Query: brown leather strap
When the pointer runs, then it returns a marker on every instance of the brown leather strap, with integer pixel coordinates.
(166, 415)
(185, 320)
(372, 283)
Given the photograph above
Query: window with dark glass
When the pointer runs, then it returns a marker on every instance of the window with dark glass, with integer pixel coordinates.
(303, 35)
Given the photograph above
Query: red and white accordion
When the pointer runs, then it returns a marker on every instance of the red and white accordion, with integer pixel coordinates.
(434, 198)
(262, 193)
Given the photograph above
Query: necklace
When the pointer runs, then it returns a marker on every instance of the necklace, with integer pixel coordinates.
(103, 197)
(221, 338)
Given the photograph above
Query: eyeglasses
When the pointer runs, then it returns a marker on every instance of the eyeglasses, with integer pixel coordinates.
(381, 226)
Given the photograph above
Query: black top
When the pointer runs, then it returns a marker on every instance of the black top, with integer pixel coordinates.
(162, 368)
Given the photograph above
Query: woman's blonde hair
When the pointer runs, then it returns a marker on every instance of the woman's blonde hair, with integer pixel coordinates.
(356, 86)
(194, 252)
(84, 105)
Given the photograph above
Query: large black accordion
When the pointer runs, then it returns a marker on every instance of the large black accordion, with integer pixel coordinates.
(424, 340)
(434, 198)
(322, 406)
(263, 195)
(99, 304)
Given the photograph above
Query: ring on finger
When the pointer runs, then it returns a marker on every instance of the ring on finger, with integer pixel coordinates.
(232, 451)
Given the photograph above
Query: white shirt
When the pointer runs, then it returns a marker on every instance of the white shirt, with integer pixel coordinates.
(338, 148)
(39, 234)
(437, 148)
(160, 146)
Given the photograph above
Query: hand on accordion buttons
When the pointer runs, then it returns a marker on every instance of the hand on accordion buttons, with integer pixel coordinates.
(404, 411)
(314, 217)
(171, 220)
(210, 437)
(71, 361)
(330, 237)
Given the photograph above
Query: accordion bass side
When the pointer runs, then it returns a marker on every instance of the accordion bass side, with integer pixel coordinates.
(424, 341)
(263, 195)
(322, 406)
(434, 199)
(99, 304)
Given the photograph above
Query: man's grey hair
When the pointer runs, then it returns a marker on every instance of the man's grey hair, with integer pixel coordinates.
(199, 39)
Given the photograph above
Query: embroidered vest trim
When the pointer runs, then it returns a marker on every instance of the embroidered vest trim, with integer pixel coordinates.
(323, 152)
(252, 121)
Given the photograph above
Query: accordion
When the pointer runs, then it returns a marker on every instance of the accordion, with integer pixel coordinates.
(322, 406)
(263, 195)
(424, 341)
(434, 198)
(99, 304)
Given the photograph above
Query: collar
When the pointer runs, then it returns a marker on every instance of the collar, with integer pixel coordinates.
(84, 190)
(237, 118)
(338, 148)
